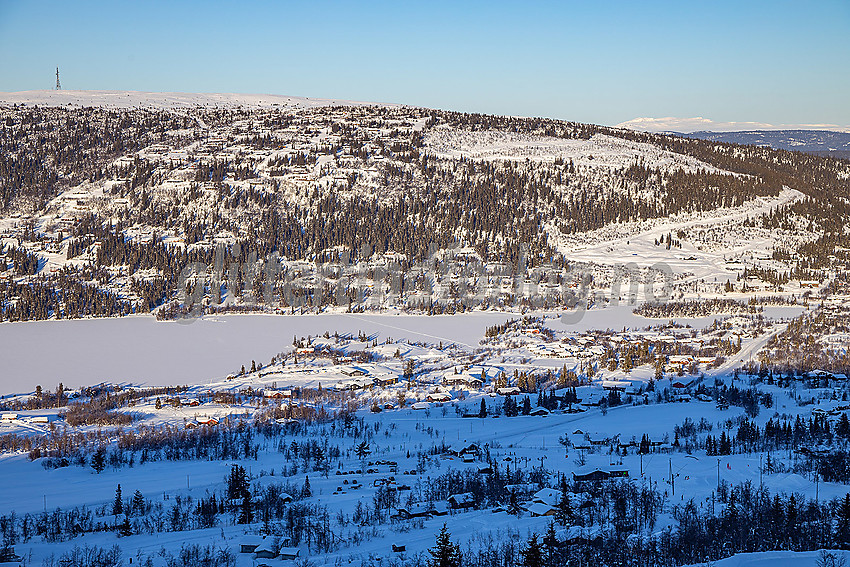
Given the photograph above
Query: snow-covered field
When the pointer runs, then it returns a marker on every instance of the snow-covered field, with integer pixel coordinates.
(521, 442)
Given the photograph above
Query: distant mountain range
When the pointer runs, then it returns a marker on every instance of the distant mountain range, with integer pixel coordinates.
(821, 142)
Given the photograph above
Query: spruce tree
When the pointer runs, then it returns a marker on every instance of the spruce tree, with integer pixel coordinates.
(125, 529)
(843, 528)
(117, 504)
(532, 555)
(98, 460)
(246, 515)
(444, 553)
(138, 503)
(550, 542)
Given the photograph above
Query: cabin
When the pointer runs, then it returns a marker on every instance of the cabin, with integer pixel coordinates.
(385, 380)
(439, 397)
(462, 449)
(578, 535)
(680, 360)
(817, 376)
(508, 391)
(289, 553)
(277, 394)
(421, 405)
(592, 401)
(208, 421)
(461, 501)
(466, 380)
(536, 509)
(597, 475)
(250, 544)
(540, 412)
(419, 510)
(548, 496)
(353, 371)
(8, 417)
(264, 551)
(356, 384)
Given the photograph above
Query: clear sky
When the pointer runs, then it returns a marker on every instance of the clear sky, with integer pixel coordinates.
(594, 61)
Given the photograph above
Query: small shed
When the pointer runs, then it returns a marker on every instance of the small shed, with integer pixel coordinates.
(289, 553)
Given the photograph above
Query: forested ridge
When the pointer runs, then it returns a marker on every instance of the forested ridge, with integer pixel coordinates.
(325, 183)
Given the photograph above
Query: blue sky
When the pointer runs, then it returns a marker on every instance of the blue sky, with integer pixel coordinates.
(603, 62)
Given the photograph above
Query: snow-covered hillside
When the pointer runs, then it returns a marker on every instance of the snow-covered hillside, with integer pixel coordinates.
(167, 101)
(599, 151)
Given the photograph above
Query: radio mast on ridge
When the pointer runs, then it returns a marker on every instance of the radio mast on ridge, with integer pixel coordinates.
(58, 86)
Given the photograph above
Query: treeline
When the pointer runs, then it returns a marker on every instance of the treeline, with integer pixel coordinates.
(105, 396)
(702, 308)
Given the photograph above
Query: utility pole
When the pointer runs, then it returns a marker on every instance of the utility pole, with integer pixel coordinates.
(672, 482)
(817, 481)
(58, 86)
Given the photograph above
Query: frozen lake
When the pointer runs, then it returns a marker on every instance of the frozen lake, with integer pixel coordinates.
(141, 350)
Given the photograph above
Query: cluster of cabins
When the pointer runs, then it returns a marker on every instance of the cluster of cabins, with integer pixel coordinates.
(357, 379)
(36, 419)
(264, 551)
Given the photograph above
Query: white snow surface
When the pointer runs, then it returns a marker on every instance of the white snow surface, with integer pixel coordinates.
(774, 559)
(598, 151)
(701, 124)
(621, 243)
(135, 99)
